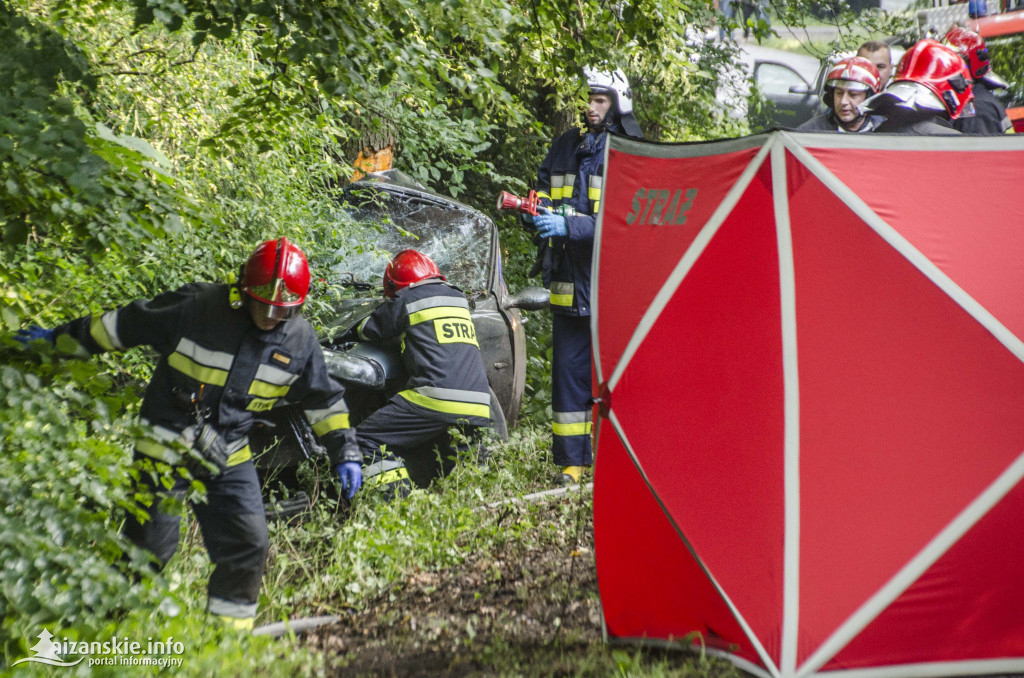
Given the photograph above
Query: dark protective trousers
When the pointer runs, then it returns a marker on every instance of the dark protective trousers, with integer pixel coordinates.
(571, 391)
(234, 530)
(400, 445)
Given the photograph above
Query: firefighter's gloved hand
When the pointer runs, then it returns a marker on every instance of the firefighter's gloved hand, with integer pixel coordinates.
(34, 333)
(550, 225)
(350, 473)
(212, 448)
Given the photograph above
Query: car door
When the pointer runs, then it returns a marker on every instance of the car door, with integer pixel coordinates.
(793, 99)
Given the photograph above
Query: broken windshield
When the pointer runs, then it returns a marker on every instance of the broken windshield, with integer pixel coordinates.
(456, 238)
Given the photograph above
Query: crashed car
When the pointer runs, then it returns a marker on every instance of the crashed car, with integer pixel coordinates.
(391, 212)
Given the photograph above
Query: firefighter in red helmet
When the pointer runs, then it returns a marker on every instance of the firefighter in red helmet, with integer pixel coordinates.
(447, 384)
(847, 84)
(990, 116)
(226, 354)
(931, 88)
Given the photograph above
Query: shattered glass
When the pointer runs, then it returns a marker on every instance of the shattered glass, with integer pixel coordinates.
(457, 239)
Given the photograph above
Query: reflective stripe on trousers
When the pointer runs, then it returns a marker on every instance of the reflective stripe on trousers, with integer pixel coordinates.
(451, 401)
(384, 472)
(237, 615)
(571, 390)
(571, 423)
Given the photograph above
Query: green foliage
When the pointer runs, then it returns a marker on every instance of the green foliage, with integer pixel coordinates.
(61, 169)
(148, 144)
(58, 531)
(1008, 62)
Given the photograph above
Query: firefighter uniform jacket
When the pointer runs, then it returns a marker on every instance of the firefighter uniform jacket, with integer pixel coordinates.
(932, 126)
(990, 116)
(827, 122)
(214, 354)
(447, 380)
(572, 174)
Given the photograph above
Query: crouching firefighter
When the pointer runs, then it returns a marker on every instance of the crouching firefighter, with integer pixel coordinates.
(226, 354)
(570, 181)
(447, 384)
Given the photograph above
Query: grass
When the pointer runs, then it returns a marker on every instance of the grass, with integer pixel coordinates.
(444, 582)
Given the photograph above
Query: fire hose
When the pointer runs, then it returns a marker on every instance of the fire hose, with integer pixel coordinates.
(531, 205)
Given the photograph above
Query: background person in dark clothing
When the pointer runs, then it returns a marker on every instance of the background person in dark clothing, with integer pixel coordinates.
(990, 116)
(880, 55)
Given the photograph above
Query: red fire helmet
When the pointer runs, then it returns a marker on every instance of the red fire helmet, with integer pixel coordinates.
(941, 72)
(972, 48)
(277, 276)
(854, 72)
(407, 268)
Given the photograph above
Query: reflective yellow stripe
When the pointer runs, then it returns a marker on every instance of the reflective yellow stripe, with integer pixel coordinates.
(99, 333)
(562, 293)
(262, 389)
(207, 375)
(556, 187)
(243, 455)
(438, 312)
(261, 404)
(235, 623)
(568, 181)
(448, 406)
(165, 454)
(543, 195)
(578, 429)
(157, 451)
(393, 476)
(594, 193)
(333, 423)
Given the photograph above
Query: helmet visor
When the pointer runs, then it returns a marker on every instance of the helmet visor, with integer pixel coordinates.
(914, 96)
(274, 292)
(262, 309)
(851, 85)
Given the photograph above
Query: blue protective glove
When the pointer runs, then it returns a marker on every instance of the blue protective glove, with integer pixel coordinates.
(34, 333)
(527, 217)
(550, 225)
(350, 473)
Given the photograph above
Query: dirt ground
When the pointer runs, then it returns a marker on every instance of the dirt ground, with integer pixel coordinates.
(527, 608)
(532, 602)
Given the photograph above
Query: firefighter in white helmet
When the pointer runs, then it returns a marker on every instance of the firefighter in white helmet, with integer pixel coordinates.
(571, 177)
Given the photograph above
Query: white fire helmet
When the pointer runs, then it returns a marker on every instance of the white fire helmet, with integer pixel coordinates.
(615, 83)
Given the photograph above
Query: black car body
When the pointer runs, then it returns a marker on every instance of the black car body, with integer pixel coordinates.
(391, 212)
